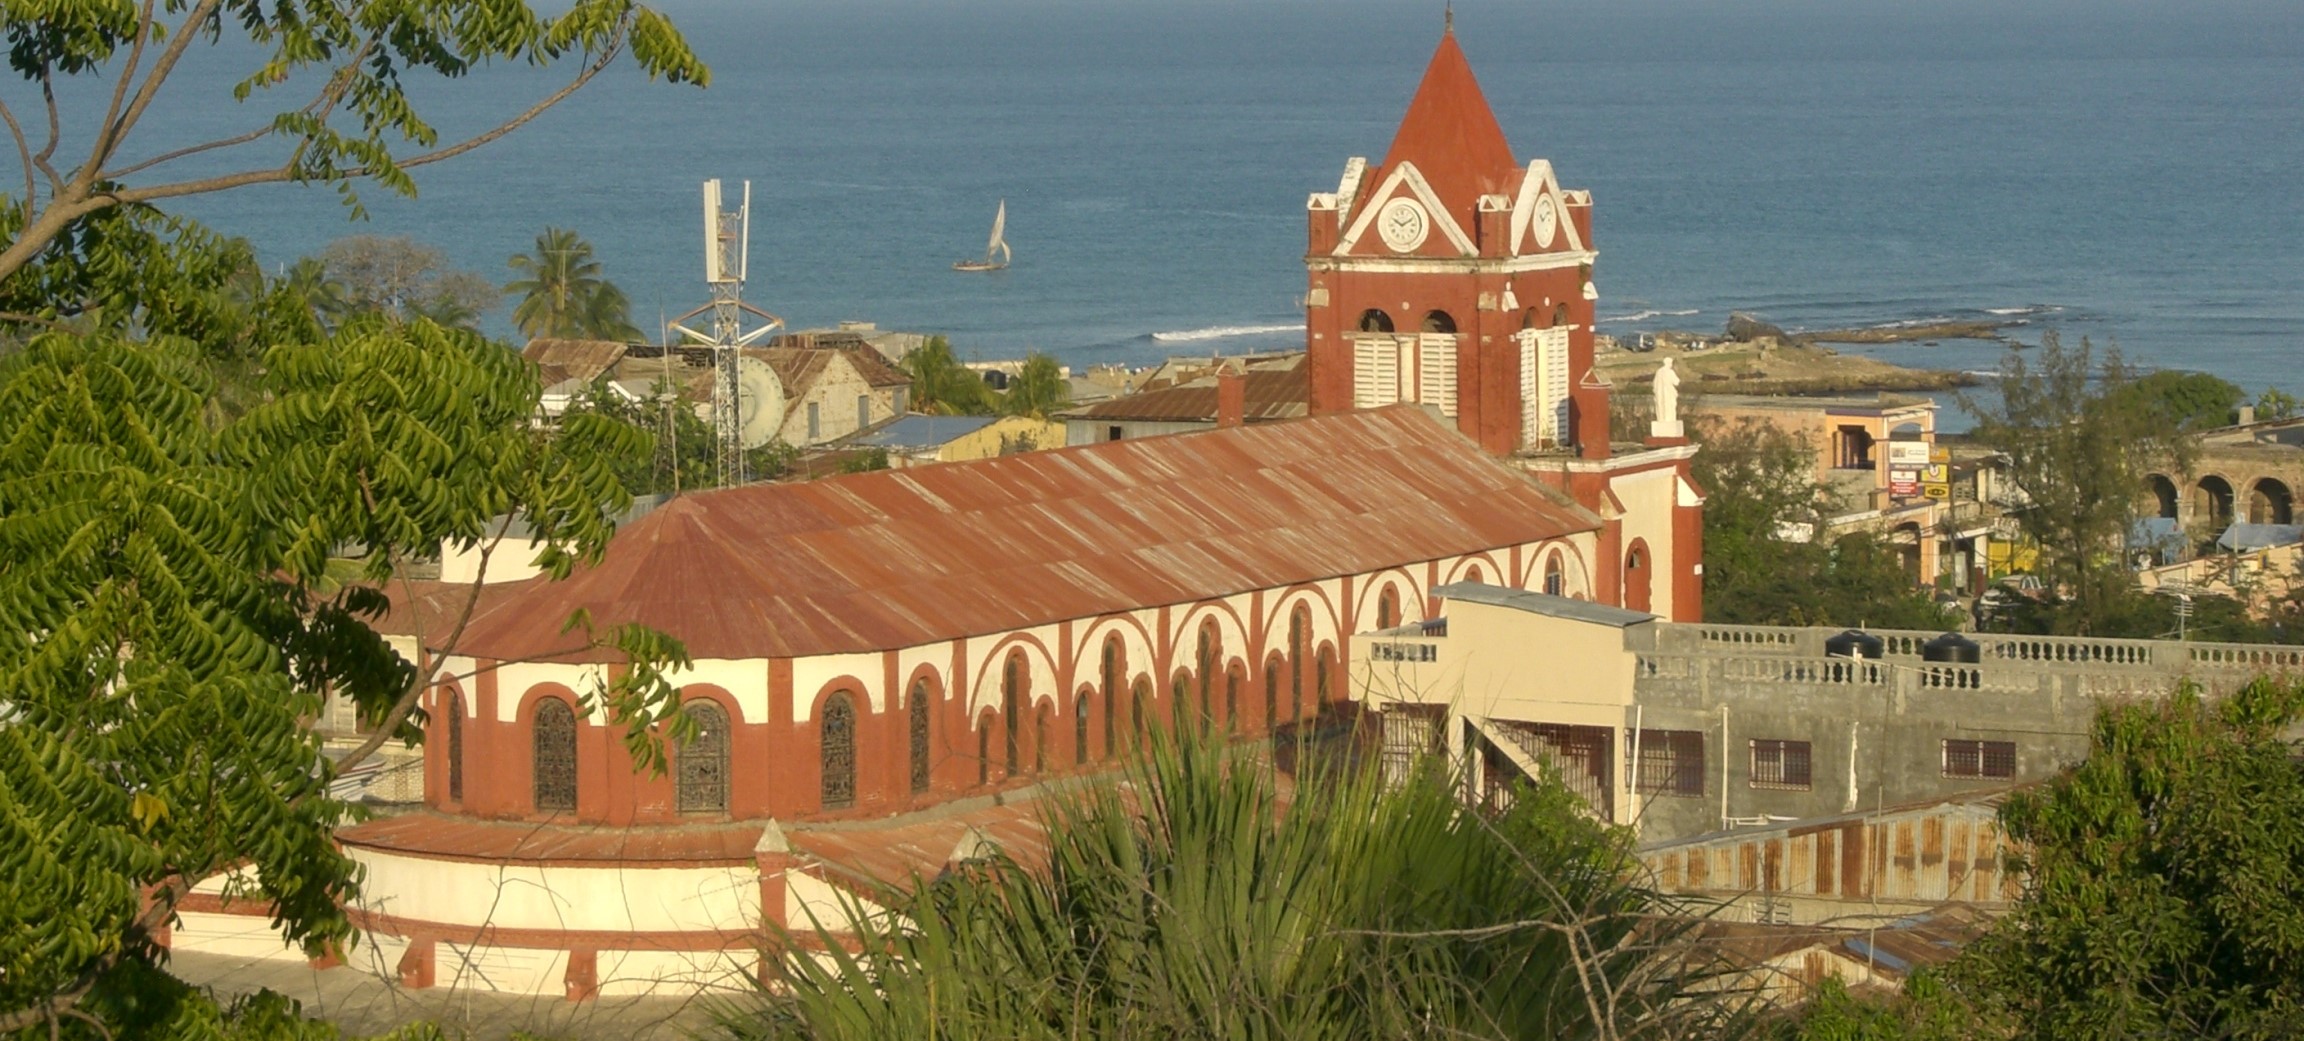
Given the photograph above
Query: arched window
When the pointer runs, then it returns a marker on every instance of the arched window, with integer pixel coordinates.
(1555, 578)
(1388, 608)
(2163, 495)
(455, 748)
(1111, 680)
(1179, 695)
(1637, 576)
(1041, 725)
(1474, 574)
(1232, 680)
(2270, 503)
(1080, 725)
(1207, 662)
(702, 773)
(1012, 704)
(1299, 632)
(1139, 703)
(919, 709)
(1272, 693)
(838, 751)
(984, 750)
(1374, 320)
(1327, 666)
(554, 762)
(1439, 322)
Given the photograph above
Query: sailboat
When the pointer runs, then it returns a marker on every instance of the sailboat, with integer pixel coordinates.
(996, 253)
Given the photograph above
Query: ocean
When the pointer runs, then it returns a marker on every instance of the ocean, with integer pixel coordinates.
(2109, 170)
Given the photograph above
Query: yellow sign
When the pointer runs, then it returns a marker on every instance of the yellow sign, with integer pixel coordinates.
(1939, 454)
(1936, 491)
(1936, 473)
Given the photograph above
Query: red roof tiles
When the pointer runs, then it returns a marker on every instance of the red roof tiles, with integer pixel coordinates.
(907, 557)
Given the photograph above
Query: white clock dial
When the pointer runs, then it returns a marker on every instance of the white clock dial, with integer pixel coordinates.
(1547, 222)
(1403, 225)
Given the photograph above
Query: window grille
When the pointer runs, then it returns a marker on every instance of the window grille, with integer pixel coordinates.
(1555, 580)
(1413, 652)
(1297, 622)
(1011, 706)
(920, 735)
(1780, 765)
(1111, 693)
(555, 756)
(702, 781)
(1080, 726)
(1670, 762)
(1411, 732)
(1963, 758)
(455, 748)
(839, 751)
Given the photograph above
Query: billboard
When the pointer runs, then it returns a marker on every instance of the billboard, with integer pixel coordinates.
(1907, 455)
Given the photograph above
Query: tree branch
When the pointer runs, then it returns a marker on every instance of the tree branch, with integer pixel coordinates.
(321, 104)
(110, 136)
(104, 139)
(23, 151)
(607, 55)
(55, 133)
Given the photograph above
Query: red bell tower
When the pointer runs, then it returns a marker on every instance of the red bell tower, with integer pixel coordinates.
(1451, 276)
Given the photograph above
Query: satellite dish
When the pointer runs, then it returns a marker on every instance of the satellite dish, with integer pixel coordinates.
(759, 402)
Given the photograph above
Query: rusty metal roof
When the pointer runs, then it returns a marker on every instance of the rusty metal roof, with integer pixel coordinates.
(900, 558)
(577, 359)
(1271, 395)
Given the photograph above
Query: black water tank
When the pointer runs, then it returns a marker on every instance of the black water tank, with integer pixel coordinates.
(1854, 643)
(996, 379)
(1953, 648)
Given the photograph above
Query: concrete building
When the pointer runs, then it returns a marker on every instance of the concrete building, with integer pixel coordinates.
(831, 390)
(1743, 726)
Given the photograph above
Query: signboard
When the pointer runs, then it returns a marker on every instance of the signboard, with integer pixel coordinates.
(1936, 491)
(1909, 455)
(1904, 482)
(1939, 454)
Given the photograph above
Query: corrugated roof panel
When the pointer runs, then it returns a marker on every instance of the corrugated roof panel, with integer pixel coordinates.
(901, 558)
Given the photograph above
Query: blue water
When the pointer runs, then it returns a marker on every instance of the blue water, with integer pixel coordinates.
(2109, 169)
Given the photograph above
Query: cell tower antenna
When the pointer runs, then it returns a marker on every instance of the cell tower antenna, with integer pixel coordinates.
(727, 249)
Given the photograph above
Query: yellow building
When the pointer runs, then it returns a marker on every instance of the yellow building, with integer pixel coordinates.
(920, 440)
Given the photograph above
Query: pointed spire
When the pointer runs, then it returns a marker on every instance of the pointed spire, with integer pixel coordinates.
(1451, 134)
(1448, 18)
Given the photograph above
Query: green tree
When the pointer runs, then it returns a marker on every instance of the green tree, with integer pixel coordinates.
(1765, 562)
(1038, 389)
(171, 612)
(2078, 445)
(942, 386)
(2189, 401)
(358, 59)
(562, 293)
(2275, 403)
(2164, 894)
(401, 278)
(1195, 903)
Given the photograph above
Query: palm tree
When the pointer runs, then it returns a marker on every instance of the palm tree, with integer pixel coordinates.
(562, 293)
(943, 386)
(1038, 388)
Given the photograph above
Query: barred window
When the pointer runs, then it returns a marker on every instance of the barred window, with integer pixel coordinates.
(839, 751)
(1668, 762)
(1555, 579)
(1780, 764)
(702, 782)
(554, 761)
(1012, 705)
(1964, 758)
(455, 748)
(920, 734)
(1111, 693)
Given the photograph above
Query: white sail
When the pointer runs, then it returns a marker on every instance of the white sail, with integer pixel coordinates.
(999, 225)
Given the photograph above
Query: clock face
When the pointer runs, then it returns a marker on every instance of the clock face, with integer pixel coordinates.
(1547, 222)
(1403, 225)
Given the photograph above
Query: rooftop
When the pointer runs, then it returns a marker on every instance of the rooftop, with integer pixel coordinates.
(923, 431)
(1541, 603)
(902, 558)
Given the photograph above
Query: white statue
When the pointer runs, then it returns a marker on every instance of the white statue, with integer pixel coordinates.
(1667, 394)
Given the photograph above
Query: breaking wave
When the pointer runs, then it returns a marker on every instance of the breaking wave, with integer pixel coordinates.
(1642, 316)
(2009, 312)
(1224, 332)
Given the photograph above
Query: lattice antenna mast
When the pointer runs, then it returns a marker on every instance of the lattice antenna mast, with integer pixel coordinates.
(727, 253)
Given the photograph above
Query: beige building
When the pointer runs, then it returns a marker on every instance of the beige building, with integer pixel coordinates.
(833, 392)
(1877, 460)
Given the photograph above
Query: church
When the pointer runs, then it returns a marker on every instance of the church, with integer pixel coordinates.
(888, 666)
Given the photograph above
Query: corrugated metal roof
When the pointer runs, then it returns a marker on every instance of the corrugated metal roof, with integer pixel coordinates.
(907, 557)
(577, 359)
(1270, 395)
(924, 431)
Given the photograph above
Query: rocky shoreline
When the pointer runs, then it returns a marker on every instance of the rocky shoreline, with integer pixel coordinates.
(1753, 357)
